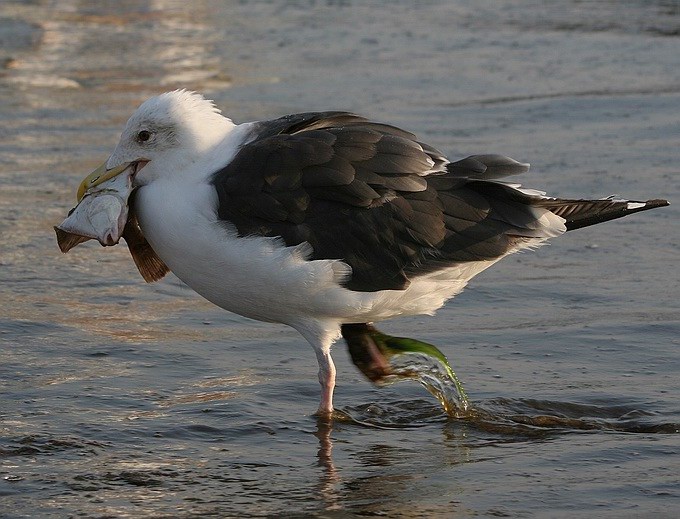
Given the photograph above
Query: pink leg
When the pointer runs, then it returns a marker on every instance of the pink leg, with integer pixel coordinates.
(321, 335)
(327, 381)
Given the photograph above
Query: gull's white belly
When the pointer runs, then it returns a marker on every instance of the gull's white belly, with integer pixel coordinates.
(261, 278)
(253, 276)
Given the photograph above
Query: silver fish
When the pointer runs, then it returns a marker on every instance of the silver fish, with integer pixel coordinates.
(104, 213)
(101, 214)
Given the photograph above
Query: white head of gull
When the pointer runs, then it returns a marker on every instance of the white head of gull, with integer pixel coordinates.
(323, 221)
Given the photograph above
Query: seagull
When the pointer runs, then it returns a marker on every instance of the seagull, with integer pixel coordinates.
(323, 221)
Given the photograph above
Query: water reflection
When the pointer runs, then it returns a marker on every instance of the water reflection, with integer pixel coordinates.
(329, 478)
(386, 472)
(382, 470)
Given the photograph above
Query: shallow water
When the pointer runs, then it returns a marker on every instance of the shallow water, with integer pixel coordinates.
(121, 399)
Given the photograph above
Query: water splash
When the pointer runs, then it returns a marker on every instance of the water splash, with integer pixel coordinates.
(385, 360)
(435, 374)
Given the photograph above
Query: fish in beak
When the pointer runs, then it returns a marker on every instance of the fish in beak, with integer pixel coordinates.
(101, 175)
(102, 209)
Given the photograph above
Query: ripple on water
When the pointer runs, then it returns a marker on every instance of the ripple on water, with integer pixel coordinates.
(393, 414)
(513, 417)
(36, 445)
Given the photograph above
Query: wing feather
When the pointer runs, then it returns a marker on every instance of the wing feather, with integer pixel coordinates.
(389, 206)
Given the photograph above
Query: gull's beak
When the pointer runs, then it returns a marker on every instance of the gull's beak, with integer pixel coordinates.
(99, 175)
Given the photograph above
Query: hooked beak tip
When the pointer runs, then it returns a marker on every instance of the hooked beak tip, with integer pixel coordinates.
(99, 175)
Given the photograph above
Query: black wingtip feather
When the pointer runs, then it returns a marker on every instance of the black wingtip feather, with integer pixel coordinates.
(612, 212)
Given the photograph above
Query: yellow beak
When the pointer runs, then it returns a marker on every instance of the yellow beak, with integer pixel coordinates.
(99, 175)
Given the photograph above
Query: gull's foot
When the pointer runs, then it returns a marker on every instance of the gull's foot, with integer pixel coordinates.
(363, 341)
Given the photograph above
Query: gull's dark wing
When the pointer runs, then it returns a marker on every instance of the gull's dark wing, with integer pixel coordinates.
(373, 196)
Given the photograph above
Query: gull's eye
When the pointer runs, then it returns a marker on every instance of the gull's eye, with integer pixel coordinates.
(143, 136)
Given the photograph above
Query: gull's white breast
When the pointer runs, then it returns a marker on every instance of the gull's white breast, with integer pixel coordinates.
(261, 278)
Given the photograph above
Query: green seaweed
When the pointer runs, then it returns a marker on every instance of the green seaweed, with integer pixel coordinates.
(396, 347)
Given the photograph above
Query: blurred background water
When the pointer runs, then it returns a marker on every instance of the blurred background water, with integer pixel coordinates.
(121, 399)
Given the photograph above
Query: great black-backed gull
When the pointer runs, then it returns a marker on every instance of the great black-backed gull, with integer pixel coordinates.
(323, 221)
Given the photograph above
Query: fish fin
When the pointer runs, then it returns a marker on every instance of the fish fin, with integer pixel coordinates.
(68, 240)
(150, 266)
